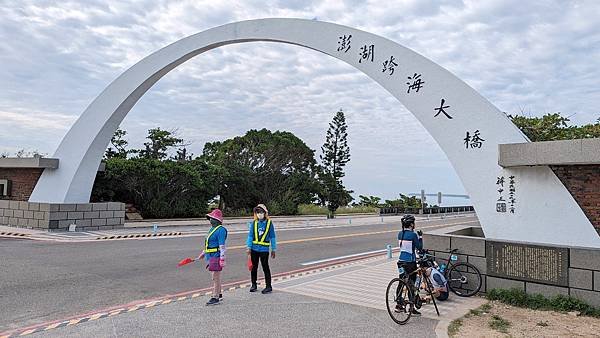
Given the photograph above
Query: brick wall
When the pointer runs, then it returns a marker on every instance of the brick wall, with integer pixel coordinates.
(583, 182)
(23, 180)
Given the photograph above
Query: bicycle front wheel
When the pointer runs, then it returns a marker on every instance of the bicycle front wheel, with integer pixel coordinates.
(464, 279)
(399, 301)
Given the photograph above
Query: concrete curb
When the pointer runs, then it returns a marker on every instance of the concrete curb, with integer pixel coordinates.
(13, 234)
(162, 234)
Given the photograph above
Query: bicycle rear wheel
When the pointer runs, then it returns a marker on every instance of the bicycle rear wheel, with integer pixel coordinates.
(399, 301)
(464, 279)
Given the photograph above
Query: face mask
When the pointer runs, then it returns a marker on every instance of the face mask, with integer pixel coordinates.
(214, 222)
(260, 215)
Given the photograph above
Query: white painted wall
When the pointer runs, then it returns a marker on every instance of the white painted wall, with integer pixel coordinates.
(558, 220)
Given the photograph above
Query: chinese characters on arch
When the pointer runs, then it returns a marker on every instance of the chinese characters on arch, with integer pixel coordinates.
(366, 54)
(414, 82)
(502, 204)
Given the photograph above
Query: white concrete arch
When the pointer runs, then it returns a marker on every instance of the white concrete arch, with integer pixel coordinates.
(544, 211)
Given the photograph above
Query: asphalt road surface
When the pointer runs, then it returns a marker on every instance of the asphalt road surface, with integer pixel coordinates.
(43, 281)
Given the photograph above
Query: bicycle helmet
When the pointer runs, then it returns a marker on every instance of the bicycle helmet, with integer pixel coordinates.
(407, 220)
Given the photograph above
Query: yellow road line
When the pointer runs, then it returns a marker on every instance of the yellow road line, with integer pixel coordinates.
(133, 309)
(96, 316)
(53, 326)
(74, 321)
(115, 312)
(27, 332)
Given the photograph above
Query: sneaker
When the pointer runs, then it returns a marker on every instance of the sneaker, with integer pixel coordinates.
(418, 303)
(253, 288)
(266, 290)
(213, 301)
(220, 297)
(399, 309)
(416, 313)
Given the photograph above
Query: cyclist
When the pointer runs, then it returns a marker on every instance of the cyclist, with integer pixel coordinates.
(439, 283)
(409, 242)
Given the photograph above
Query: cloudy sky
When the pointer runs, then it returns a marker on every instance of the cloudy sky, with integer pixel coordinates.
(529, 57)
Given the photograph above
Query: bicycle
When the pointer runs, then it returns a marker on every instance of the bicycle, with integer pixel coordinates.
(459, 275)
(402, 295)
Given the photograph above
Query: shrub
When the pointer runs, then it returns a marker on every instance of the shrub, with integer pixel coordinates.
(561, 303)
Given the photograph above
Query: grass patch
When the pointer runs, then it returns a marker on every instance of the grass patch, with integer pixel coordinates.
(479, 311)
(475, 312)
(519, 298)
(312, 209)
(499, 324)
(454, 327)
(486, 307)
(542, 324)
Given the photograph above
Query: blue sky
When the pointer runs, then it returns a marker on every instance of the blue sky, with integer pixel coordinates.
(529, 57)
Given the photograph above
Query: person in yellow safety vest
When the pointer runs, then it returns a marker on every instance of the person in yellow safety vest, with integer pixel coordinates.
(214, 252)
(261, 238)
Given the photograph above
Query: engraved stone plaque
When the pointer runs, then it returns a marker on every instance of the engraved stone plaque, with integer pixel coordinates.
(527, 262)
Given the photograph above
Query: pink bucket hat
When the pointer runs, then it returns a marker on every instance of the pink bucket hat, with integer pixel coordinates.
(262, 206)
(216, 214)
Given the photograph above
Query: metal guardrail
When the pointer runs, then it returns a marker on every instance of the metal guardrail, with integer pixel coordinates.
(426, 211)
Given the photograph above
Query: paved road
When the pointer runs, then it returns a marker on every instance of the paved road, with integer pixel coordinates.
(243, 314)
(43, 281)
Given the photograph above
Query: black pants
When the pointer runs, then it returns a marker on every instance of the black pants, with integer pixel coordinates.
(409, 267)
(264, 261)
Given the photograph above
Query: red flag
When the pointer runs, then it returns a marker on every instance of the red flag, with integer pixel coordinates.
(185, 261)
(249, 264)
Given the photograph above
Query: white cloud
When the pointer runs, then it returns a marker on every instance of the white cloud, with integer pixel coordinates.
(56, 56)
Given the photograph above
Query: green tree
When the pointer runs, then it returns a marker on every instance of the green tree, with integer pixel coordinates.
(369, 201)
(160, 189)
(182, 155)
(404, 202)
(551, 127)
(335, 155)
(159, 142)
(120, 145)
(336, 152)
(275, 168)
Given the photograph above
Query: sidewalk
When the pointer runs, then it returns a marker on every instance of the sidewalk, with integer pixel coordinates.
(243, 314)
(345, 301)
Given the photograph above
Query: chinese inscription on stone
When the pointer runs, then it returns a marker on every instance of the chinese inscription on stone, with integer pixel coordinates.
(511, 194)
(532, 263)
(501, 202)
